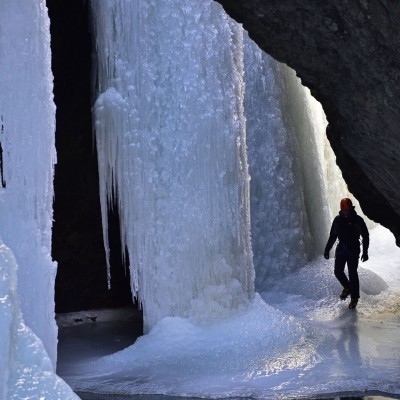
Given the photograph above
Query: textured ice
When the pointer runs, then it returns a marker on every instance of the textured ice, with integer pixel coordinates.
(26, 371)
(170, 121)
(181, 91)
(298, 339)
(27, 115)
(295, 182)
(170, 133)
(27, 327)
(171, 114)
(179, 356)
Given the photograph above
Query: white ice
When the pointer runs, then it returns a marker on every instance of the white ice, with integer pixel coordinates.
(26, 370)
(182, 93)
(28, 333)
(169, 130)
(170, 134)
(297, 339)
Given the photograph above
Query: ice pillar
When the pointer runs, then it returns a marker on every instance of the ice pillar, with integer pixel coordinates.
(295, 183)
(27, 155)
(170, 133)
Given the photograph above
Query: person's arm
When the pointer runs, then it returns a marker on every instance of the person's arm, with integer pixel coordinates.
(333, 235)
(365, 240)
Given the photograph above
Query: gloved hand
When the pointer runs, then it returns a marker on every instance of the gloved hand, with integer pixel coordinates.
(364, 257)
(326, 255)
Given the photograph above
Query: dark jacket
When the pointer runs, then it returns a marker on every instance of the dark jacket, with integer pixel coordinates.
(348, 230)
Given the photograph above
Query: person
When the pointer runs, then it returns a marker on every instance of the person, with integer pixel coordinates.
(348, 227)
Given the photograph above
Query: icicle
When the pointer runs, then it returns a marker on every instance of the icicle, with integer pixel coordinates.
(171, 142)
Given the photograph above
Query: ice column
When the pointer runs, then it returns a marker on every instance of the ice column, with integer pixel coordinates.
(27, 158)
(295, 183)
(170, 135)
(280, 232)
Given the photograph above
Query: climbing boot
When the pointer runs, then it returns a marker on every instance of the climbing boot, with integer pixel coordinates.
(353, 304)
(344, 294)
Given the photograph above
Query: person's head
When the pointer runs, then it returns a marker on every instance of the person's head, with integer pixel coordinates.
(346, 206)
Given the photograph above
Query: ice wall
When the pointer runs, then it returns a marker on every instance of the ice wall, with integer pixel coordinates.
(296, 185)
(27, 115)
(178, 85)
(280, 231)
(28, 331)
(26, 371)
(170, 133)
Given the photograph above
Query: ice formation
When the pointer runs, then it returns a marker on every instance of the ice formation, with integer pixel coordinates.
(27, 327)
(180, 86)
(295, 183)
(26, 370)
(291, 342)
(181, 92)
(170, 132)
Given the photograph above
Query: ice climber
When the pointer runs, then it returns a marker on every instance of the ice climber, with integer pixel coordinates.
(348, 227)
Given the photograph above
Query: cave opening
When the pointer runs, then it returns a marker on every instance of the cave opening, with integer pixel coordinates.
(77, 242)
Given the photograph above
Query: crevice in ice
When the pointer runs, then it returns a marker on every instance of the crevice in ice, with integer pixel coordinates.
(77, 243)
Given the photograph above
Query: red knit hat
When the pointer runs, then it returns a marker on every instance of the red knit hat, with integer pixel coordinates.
(346, 204)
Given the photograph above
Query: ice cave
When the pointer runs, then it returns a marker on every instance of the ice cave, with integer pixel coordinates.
(167, 190)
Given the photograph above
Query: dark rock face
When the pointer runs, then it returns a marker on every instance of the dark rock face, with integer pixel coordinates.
(348, 54)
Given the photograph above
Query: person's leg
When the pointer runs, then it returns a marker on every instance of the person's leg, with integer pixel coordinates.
(340, 262)
(352, 265)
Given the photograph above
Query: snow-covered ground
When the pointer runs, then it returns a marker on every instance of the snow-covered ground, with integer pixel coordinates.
(297, 339)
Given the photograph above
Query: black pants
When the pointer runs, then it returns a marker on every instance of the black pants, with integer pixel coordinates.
(352, 282)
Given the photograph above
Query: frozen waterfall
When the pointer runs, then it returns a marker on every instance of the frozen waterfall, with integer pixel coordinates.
(295, 182)
(28, 154)
(27, 327)
(170, 132)
(179, 87)
(187, 109)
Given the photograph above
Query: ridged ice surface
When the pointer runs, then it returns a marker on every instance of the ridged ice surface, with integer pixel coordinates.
(27, 116)
(295, 183)
(26, 370)
(179, 87)
(28, 331)
(182, 91)
(170, 133)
